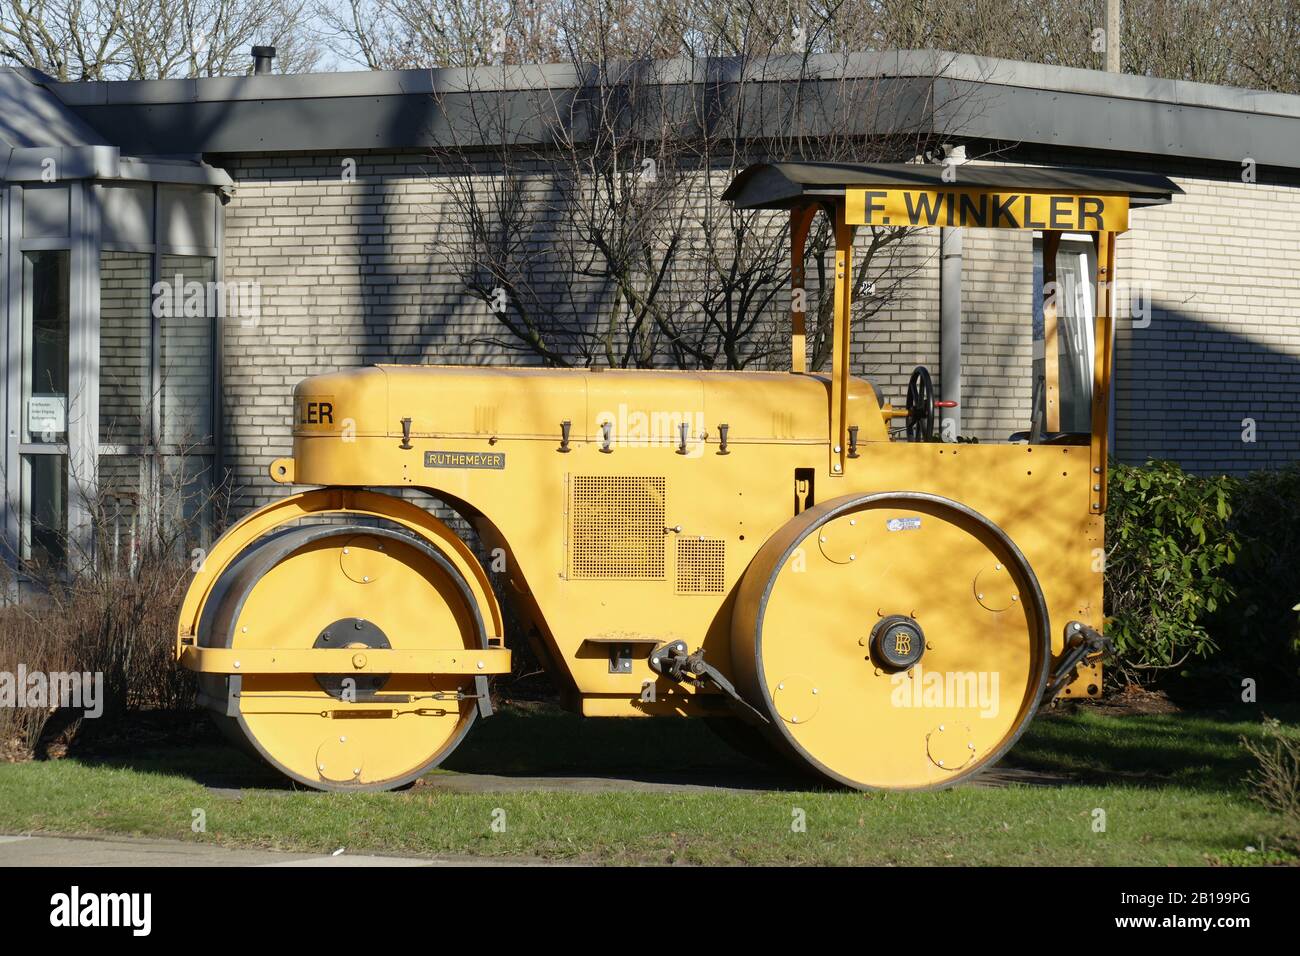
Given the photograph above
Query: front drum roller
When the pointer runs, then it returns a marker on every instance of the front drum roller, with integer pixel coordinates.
(895, 641)
(405, 640)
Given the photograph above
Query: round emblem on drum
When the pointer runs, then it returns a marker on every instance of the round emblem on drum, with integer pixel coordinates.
(897, 642)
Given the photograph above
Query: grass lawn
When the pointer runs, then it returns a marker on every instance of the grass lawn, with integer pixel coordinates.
(1172, 787)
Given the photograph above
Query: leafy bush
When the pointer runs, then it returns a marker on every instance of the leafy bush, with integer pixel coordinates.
(1169, 551)
(1259, 631)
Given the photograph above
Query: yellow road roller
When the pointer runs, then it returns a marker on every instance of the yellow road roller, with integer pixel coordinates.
(786, 553)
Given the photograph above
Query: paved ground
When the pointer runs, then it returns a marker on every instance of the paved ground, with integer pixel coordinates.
(94, 851)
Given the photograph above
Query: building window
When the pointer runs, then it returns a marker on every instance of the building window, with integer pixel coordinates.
(43, 495)
(45, 345)
(113, 399)
(125, 348)
(157, 359)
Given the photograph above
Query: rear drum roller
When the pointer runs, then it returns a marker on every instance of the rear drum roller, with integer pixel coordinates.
(895, 641)
(350, 587)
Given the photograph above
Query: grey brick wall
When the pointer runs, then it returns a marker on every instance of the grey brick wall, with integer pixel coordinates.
(349, 276)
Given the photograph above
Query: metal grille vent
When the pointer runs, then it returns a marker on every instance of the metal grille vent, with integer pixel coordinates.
(617, 527)
(701, 564)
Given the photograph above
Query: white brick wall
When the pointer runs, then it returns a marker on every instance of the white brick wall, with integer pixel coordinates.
(349, 277)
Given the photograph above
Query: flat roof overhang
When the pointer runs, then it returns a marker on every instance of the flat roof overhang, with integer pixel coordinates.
(928, 92)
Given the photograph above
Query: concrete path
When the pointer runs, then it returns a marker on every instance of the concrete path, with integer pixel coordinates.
(95, 851)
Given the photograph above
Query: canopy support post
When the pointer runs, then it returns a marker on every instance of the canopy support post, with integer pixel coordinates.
(800, 222)
(842, 334)
(1051, 342)
(1103, 356)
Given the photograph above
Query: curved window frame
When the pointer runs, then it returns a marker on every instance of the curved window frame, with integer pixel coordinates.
(168, 230)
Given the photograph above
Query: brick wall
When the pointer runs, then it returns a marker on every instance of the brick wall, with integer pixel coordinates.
(349, 276)
(1222, 348)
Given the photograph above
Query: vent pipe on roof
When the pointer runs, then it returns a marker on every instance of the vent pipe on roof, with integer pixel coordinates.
(262, 57)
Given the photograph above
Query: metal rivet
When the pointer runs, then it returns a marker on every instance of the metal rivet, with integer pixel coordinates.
(1015, 597)
(320, 767)
(345, 550)
(814, 690)
(236, 665)
(480, 665)
(835, 467)
(794, 719)
(343, 740)
(971, 745)
(822, 539)
(940, 763)
(356, 771)
(852, 522)
(244, 629)
(997, 567)
(853, 557)
(780, 687)
(979, 597)
(941, 726)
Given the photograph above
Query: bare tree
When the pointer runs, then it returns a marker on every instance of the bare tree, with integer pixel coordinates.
(153, 39)
(586, 215)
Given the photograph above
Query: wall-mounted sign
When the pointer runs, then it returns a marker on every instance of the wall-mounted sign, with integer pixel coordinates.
(47, 414)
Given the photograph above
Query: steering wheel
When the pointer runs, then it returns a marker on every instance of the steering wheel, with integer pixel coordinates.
(920, 405)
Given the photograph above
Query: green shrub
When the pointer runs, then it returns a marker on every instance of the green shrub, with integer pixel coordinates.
(1169, 550)
(1258, 631)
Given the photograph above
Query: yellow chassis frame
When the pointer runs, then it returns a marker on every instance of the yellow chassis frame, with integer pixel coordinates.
(342, 660)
